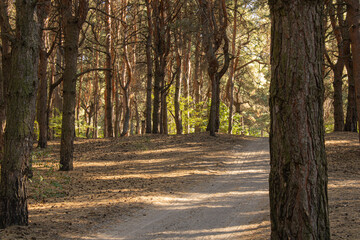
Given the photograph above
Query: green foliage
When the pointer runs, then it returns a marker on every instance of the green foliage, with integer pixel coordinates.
(81, 127)
(46, 181)
(55, 123)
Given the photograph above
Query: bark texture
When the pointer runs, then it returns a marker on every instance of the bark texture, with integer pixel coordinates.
(351, 119)
(298, 177)
(108, 74)
(6, 64)
(43, 10)
(353, 10)
(149, 65)
(71, 24)
(161, 44)
(20, 107)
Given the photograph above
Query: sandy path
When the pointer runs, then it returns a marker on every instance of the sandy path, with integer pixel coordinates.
(233, 205)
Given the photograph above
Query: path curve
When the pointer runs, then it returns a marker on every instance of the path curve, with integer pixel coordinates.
(233, 205)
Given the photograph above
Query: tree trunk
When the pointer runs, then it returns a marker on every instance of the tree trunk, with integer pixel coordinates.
(298, 177)
(20, 108)
(42, 13)
(42, 100)
(78, 104)
(178, 121)
(354, 18)
(338, 96)
(71, 25)
(186, 73)
(214, 36)
(96, 96)
(351, 117)
(196, 82)
(149, 65)
(6, 64)
(337, 68)
(117, 106)
(164, 115)
(127, 113)
(161, 39)
(232, 70)
(108, 74)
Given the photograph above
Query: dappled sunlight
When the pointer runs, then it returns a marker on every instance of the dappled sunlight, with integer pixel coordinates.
(341, 141)
(174, 202)
(116, 178)
(149, 176)
(220, 233)
(344, 183)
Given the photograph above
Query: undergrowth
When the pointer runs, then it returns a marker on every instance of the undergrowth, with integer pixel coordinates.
(47, 181)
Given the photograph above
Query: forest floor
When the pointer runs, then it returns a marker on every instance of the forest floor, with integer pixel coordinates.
(116, 180)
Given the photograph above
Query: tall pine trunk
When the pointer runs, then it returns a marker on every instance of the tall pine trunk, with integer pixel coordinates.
(351, 116)
(197, 82)
(353, 11)
(338, 96)
(149, 66)
(71, 25)
(108, 75)
(298, 177)
(20, 108)
(5, 65)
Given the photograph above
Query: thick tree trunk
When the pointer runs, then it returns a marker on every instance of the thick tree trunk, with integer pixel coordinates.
(298, 177)
(71, 25)
(71, 32)
(6, 64)
(20, 107)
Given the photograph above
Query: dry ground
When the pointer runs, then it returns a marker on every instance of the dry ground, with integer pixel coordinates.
(116, 178)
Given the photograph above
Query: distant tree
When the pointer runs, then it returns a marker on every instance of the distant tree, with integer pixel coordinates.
(298, 177)
(108, 74)
(161, 45)
(214, 27)
(71, 22)
(353, 10)
(20, 109)
(336, 15)
(149, 67)
(43, 11)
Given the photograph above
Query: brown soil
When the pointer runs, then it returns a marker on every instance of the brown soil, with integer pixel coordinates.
(343, 151)
(115, 178)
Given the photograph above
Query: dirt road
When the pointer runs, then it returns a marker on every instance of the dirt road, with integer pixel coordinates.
(233, 205)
